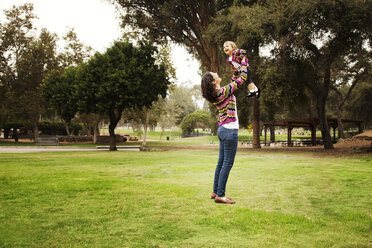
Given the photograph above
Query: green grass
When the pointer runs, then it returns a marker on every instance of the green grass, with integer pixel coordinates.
(161, 199)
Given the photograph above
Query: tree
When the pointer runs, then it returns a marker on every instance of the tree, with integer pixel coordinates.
(246, 26)
(317, 34)
(186, 23)
(37, 62)
(182, 97)
(58, 90)
(123, 77)
(194, 120)
(25, 61)
(169, 111)
(16, 35)
(59, 86)
(74, 51)
(347, 78)
(359, 105)
(183, 22)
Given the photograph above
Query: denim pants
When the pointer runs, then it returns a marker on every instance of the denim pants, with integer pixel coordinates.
(228, 146)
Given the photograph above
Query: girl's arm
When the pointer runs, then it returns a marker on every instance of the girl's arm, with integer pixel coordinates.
(243, 56)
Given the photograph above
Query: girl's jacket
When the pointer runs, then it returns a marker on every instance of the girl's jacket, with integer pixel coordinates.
(237, 56)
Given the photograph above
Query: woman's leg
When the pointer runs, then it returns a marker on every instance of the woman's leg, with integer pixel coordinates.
(230, 146)
(220, 159)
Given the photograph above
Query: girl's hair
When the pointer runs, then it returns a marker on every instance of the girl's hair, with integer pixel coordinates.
(232, 43)
(207, 87)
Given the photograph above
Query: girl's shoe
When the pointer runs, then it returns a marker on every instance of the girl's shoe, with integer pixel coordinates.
(255, 93)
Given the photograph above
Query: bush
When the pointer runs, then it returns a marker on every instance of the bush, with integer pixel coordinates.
(194, 120)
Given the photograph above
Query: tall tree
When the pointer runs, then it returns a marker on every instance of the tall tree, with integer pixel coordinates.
(318, 34)
(186, 23)
(351, 72)
(245, 24)
(183, 22)
(16, 36)
(58, 90)
(359, 106)
(182, 96)
(123, 77)
(74, 52)
(25, 60)
(59, 87)
(37, 62)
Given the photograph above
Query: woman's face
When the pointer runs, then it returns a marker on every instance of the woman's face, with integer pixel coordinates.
(217, 79)
(227, 48)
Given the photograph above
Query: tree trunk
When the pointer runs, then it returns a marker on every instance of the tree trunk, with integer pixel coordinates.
(340, 126)
(134, 127)
(36, 130)
(87, 129)
(67, 128)
(272, 133)
(256, 104)
(256, 123)
(162, 132)
(112, 126)
(96, 133)
(114, 119)
(145, 127)
(341, 102)
(96, 128)
(323, 123)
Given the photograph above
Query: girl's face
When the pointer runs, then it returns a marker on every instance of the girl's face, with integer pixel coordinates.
(228, 49)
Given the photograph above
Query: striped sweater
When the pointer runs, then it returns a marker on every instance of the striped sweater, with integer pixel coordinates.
(226, 101)
(237, 56)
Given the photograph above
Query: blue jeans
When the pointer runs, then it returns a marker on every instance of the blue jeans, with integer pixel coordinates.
(228, 146)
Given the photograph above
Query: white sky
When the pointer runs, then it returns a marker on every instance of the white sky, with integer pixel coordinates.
(96, 24)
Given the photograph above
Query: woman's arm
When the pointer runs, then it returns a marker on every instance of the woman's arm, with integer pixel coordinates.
(237, 80)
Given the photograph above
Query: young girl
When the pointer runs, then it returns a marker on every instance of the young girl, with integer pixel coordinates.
(238, 60)
(227, 132)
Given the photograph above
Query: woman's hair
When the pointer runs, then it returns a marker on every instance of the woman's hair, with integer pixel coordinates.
(207, 87)
(231, 43)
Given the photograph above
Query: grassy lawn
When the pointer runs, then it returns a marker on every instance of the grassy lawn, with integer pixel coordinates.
(161, 199)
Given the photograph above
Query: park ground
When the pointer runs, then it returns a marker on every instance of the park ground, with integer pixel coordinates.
(287, 197)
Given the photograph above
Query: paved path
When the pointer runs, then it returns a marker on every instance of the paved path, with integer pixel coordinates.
(27, 149)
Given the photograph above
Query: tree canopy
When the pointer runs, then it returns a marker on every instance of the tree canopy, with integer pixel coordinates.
(123, 77)
(194, 120)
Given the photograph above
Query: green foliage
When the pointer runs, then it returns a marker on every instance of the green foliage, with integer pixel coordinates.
(194, 120)
(182, 99)
(309, 41)
(57, 128)
(59, 90)
(123, 77)
(359, 106)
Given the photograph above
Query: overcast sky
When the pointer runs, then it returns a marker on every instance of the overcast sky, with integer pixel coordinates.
(96, 24)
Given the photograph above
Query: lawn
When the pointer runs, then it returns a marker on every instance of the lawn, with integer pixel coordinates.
(161, 199)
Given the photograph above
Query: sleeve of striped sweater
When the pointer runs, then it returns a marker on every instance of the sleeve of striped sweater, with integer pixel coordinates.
(237, 80)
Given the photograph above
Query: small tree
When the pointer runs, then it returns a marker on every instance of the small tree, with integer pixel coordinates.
(58, 90)
(123, 77)
(191, 121)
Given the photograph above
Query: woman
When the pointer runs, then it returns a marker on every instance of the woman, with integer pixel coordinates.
(227, 131)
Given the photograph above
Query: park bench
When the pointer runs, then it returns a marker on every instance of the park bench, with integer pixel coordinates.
(47, 141)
